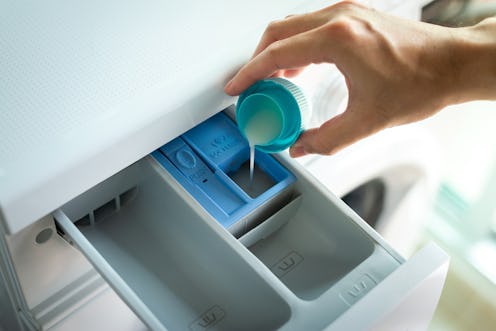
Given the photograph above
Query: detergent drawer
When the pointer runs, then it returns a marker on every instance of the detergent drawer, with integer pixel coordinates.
(308, 262)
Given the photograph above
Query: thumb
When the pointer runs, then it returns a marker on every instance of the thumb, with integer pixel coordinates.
(335, 134)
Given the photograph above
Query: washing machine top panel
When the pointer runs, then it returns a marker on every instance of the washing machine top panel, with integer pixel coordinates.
(88, 88)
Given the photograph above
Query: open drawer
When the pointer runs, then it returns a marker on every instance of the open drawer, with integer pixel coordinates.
(311, 264)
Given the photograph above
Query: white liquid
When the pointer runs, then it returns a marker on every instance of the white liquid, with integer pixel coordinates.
(264, 126)
(252, 161)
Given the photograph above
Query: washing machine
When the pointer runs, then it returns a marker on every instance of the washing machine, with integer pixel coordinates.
(96, 233)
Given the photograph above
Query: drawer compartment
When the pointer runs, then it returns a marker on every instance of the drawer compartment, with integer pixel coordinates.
(312, 243)
(158, 252)
(310, 253)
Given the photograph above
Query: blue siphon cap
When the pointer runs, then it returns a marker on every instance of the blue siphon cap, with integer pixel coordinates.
(282, 96)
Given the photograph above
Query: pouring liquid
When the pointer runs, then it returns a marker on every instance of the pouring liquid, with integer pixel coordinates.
(252, 161)
(263, 127)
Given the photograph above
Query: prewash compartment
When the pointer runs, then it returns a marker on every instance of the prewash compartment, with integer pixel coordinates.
(157, 248)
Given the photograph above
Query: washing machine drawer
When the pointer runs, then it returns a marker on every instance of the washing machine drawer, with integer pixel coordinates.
(312, 264)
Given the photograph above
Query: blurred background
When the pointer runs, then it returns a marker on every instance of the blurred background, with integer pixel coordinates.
(463, 216)
(429, 181)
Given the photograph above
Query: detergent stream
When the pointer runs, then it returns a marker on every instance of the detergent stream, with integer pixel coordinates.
(252, 161)
(263, 127)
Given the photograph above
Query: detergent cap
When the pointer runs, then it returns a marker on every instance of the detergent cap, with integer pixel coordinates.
(271, 114)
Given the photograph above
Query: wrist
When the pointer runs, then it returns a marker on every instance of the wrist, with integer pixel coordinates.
(473, 59)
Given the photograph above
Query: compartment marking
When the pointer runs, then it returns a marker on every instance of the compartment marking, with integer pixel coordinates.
(287, 264)
(208, 319)
(357, 289)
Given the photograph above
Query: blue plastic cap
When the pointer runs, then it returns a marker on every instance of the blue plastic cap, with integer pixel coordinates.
(281, 101)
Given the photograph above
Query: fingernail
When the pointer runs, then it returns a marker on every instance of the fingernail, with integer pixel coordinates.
(297, 151)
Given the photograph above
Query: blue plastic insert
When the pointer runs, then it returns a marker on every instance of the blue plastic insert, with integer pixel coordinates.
(211, 162)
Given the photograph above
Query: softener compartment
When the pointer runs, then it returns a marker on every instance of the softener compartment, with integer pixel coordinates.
(162, 232)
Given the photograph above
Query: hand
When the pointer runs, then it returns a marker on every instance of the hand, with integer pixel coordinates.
(397, 71)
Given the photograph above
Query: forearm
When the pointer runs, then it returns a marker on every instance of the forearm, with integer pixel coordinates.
(474, 61)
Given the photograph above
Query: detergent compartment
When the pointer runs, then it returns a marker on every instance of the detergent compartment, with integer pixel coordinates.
(211, 162)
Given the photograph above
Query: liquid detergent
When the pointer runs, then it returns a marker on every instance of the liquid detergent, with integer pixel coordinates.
(264, 126)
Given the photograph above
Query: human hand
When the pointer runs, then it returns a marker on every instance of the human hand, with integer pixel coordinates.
(397, 71)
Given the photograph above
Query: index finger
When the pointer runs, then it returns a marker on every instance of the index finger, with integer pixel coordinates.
(290, 53)
(290, 26)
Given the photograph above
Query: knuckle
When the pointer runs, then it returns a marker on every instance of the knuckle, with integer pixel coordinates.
(345, 18)
(341, 27)
(347, 6)
(273, 28)
(274, 49)
(346, 29)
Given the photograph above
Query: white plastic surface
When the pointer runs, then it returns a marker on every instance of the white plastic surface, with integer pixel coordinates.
(87, 88)
(39, 276)
(106, 312)
(405, 300)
